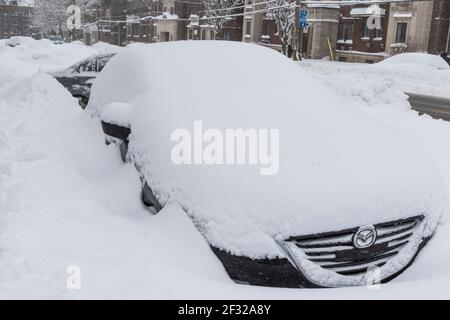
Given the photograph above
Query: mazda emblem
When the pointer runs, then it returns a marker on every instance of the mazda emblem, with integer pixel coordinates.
(365, 237)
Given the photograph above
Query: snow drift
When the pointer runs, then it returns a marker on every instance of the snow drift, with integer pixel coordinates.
(339, 167)
(67, 199)
(417, 59)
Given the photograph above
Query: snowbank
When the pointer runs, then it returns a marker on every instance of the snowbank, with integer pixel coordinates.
(381, 83)
(417, 60)
(339, 167)
(32, 56)
(67, 199)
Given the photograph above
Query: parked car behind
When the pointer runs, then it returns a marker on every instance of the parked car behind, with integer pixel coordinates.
(56, 39)
(17, 41)
(354, 199)
(79, 77)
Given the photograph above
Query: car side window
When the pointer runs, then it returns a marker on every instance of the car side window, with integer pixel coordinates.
(101, 63)
(89, 66)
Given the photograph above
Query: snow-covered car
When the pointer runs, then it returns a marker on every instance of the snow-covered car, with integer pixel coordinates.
(353, 201)
(15, 41)
(56, 39)
(79, 77)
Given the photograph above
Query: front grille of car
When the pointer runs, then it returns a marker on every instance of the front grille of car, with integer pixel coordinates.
(335, 250)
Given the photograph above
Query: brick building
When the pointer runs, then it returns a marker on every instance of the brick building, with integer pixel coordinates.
(361, 39)
(317, 41)
(439, 40)
(174, 20)
(259, 27)
(15, 20)
(419, 27)
(409, 27)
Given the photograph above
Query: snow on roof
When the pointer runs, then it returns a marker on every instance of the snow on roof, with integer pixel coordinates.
(378, 54)
(329, 6)
(402, 15)
(368, 11)
(167, 16)
(25, 3)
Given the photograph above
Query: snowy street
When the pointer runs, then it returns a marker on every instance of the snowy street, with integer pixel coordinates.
(66, 198)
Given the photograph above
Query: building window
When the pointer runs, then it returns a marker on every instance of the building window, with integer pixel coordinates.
(365, 33)
(348, 31)
(379, 33)
(226, 35)
(165, 36)
(248, 28)
(203, 34)
(400, 36)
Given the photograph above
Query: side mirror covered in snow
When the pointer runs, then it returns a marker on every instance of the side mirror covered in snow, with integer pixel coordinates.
(116, 131)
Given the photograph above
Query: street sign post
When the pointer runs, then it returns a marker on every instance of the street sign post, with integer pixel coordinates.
(303, 18)
(302, 25)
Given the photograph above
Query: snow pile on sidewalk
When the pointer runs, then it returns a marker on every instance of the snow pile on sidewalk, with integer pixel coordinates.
(384, 82)
(67, 199)
(415, 60)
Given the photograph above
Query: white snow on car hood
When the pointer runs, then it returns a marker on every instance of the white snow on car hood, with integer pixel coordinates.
(339, 167)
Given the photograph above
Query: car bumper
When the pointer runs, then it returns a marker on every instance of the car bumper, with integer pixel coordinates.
(296, 270)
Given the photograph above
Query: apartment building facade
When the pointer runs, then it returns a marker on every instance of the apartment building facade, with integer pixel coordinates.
(258, 26)
(410, 26)
(419, 27)
(319, 38)
(158, 21)
(15, 20)
(361, 36)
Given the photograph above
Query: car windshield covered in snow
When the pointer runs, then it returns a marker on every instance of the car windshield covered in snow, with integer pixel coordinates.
(325, 190)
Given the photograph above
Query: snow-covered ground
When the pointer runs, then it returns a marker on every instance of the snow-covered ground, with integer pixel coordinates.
(67, 199)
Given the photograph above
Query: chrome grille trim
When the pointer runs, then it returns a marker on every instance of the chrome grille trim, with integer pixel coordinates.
(335, 251)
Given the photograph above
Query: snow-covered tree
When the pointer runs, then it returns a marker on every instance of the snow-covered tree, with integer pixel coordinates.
(283, 12)
(15, 2)
(219, 11)
(50, 16)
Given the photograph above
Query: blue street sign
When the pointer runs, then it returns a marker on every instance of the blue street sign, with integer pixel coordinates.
(303, 13)
(303, 18)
